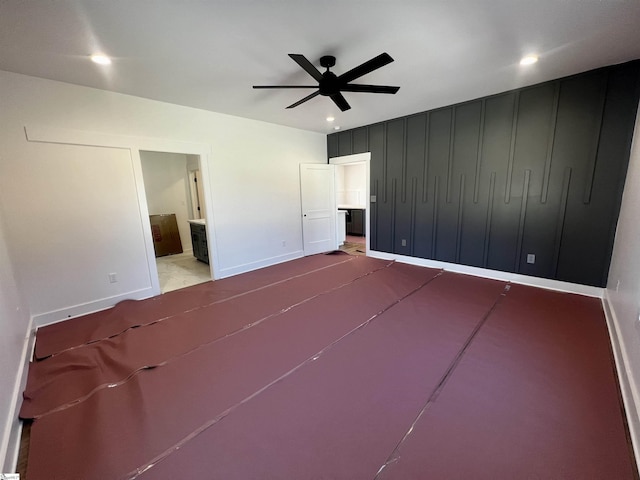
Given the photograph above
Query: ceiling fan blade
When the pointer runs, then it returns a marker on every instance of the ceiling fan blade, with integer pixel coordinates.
(308, 97)
(285, 86)
(340, 101)
(367, 67)
(306, 65)
(369, 88)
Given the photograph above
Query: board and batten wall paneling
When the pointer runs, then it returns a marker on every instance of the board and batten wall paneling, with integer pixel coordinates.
(485, 183)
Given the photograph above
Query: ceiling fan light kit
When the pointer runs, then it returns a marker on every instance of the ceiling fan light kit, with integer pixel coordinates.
(332, 85)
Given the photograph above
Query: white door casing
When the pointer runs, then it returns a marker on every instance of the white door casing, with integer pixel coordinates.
(318, 199)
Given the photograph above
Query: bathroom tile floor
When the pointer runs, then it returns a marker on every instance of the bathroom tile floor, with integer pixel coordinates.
(181, 270)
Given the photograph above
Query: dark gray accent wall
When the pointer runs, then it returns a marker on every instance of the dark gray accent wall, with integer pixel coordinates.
(484, 183)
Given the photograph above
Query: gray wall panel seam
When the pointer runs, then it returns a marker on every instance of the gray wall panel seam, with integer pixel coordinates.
(476, 185)
(512, 148)
(425, 173)
(412, 227)
(566, 181)
(452, 130)
(591, 168)
(384, 162)
(403, 183)
(460, 215)
(523, 216)
(434, 230)
(550, 143)
(394, 183)
(487, 230)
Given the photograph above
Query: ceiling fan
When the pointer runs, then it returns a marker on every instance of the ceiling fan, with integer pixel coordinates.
(332, 85)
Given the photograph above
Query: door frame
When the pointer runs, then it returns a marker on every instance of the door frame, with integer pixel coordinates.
(366, 159)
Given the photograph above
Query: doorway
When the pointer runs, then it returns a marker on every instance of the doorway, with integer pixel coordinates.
(176, 206)
(352, 198)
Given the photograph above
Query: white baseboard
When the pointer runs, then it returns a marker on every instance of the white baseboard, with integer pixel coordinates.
(11, 437)
(266, 262)
(628, 388)
(66, 313)
(494, 274)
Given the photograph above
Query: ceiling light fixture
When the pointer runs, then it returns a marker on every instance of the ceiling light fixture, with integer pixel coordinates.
(330, 119)
(529, 60)
(336, 127)
(100, 59)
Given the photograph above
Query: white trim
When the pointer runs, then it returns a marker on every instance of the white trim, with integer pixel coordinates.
(494, 274)
(143, 206)
(47, 134)
(628, 388)
(10, 446)
(366, 159)
(66, 313)
(267, 262)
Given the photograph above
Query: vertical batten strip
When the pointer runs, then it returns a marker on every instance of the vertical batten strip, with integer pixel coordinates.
(476, 186)
(487, 228)
(434, 230)
(373, 217)
(523, 215)
(566, 182)
(512, 148)
(425, 172)
(405, 139)
(550, 143)
(452, 130)
(595, 141)
(384, 162)
(412, 227)
(394, 186)
(460, 214)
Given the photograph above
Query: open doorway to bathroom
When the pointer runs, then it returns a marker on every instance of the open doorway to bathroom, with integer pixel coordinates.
(177, 216)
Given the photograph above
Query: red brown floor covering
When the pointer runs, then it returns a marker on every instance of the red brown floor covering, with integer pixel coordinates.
(332, 367)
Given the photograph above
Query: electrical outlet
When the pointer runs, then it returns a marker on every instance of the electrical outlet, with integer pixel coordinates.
(531, 258)
(404, 242)
(113, 277)
(373, 199)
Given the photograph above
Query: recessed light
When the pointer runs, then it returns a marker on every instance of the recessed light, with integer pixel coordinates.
(100, 59)
(529, 60)
(336, 127)
(330, 119)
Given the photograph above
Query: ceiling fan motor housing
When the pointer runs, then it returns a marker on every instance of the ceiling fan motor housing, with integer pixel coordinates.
(329, 85)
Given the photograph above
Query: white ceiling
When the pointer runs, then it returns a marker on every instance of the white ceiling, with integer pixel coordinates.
(208, 53)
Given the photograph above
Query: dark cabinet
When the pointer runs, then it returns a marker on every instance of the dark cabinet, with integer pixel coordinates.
(355, 221)
(199, 242)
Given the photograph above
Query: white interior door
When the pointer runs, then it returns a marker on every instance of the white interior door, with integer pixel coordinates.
(317, 187)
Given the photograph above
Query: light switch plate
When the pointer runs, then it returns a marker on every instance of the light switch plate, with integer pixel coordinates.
(531, 258)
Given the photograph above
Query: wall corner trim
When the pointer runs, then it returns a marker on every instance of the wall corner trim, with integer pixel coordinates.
(628, 388)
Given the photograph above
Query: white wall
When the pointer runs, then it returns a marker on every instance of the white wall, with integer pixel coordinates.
(14, 331)
(351, 185)
(166, 183)
(75, 215)
(623, 287)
